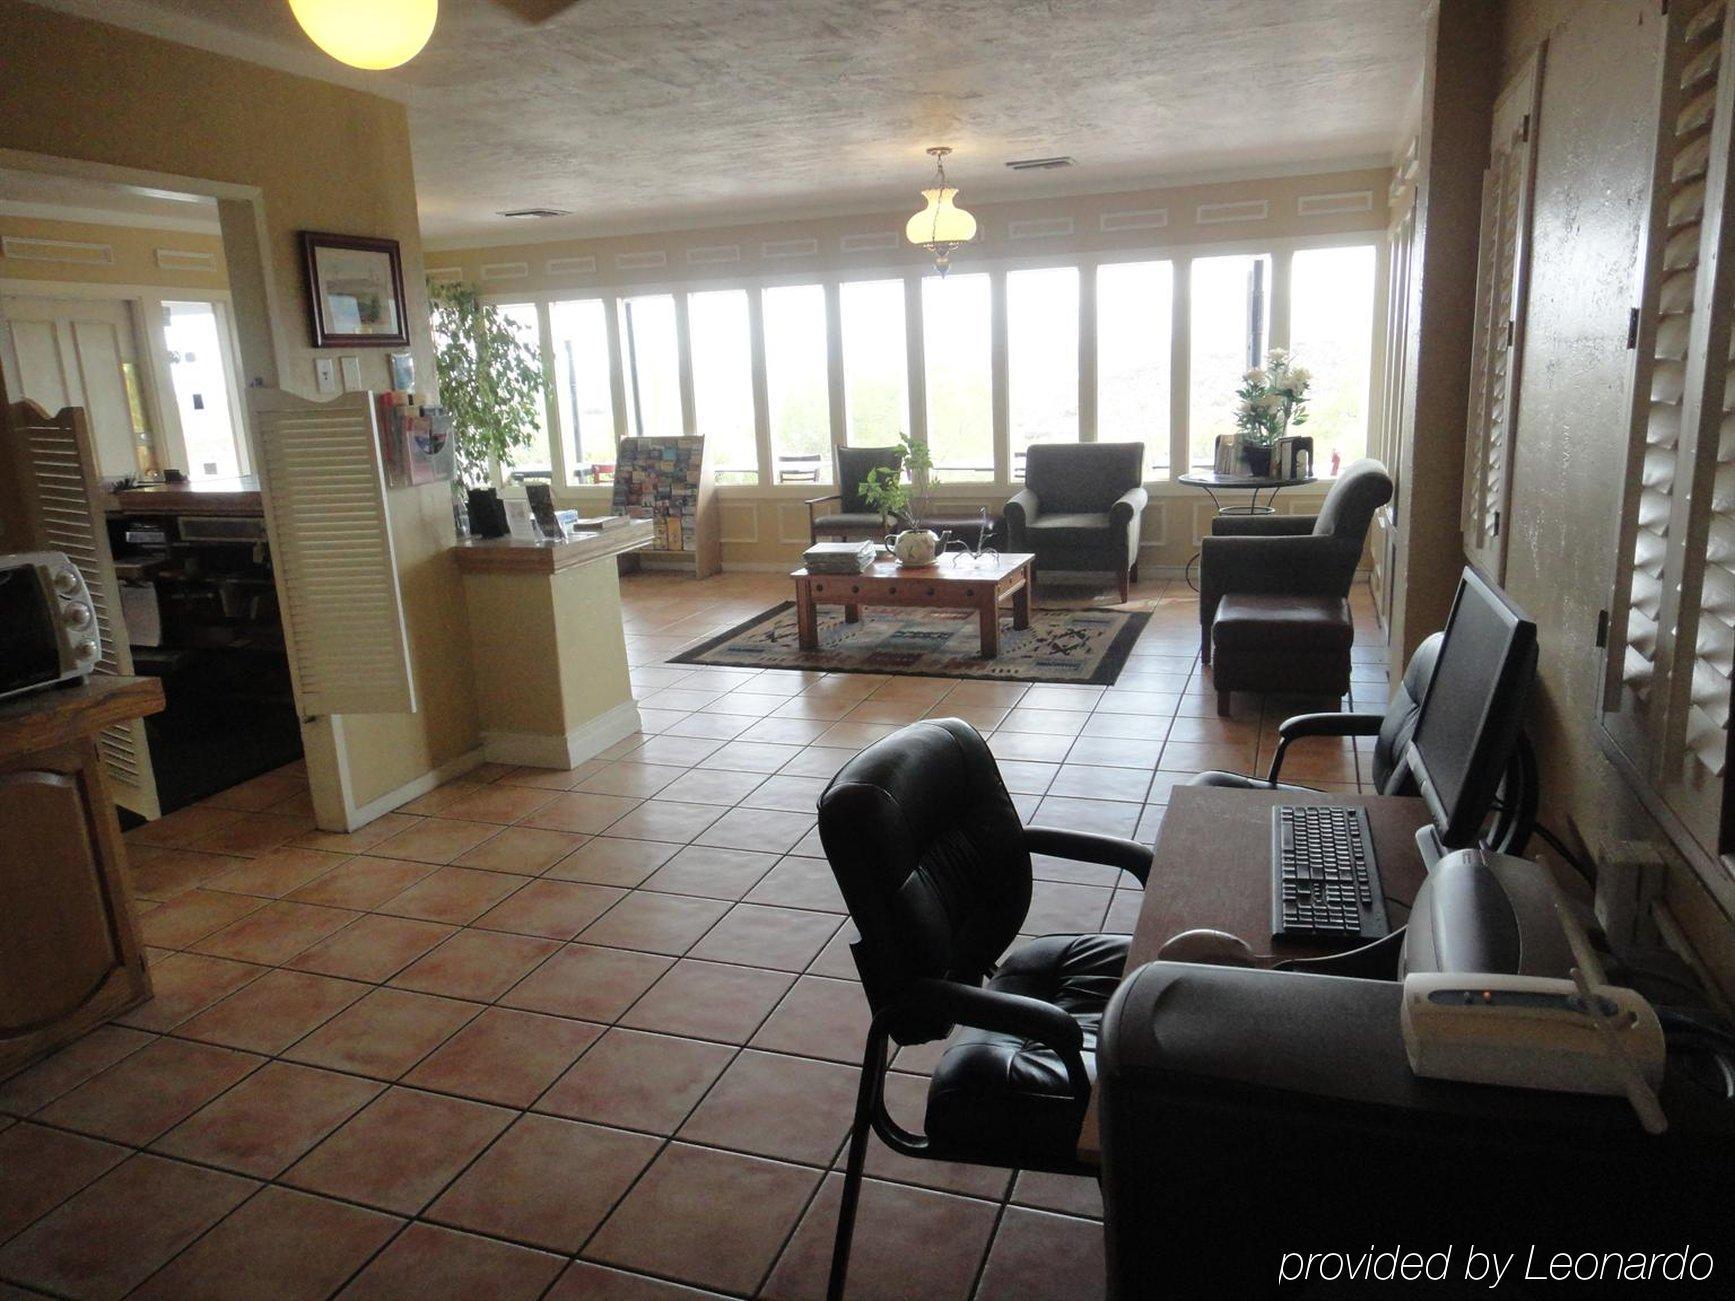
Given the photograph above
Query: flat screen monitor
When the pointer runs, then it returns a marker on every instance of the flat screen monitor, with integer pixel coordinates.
(1473, 709)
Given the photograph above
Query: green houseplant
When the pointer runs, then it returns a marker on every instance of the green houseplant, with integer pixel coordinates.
(887, 491)
(490, 380)
(1272, 398)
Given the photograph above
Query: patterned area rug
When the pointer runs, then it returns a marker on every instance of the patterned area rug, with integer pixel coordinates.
(1087, 646)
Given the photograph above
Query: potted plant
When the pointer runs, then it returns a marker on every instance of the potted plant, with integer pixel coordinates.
(491, 381)
(1272, 398)
(887, 491)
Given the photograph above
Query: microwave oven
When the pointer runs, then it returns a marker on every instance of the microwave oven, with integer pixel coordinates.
(48, 628)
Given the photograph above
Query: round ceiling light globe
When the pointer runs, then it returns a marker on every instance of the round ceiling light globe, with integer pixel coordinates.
(371, 34)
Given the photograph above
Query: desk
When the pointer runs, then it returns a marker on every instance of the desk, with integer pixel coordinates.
(1212, 868)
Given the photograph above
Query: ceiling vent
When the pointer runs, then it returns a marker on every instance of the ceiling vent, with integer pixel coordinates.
(1041, 164)
(536, 212)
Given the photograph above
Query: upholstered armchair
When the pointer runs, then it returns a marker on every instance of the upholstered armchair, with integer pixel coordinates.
(1080, 508)
(1298, 555)
(852, 517)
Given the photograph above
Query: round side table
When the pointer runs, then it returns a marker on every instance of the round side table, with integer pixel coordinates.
(1214, 483)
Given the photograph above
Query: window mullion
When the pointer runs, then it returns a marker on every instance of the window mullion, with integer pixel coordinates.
(761, 390)
(1180, 369)
(999, 389)
(1087, 354)
(915, 353)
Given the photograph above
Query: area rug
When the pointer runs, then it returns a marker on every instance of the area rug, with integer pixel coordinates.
(1083, 646)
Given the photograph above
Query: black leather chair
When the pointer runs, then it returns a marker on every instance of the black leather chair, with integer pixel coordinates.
(1080, 508)
(1291, 555)
(853, 517)
(935, 867)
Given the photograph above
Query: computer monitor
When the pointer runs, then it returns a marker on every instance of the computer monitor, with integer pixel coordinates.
(1472, 712)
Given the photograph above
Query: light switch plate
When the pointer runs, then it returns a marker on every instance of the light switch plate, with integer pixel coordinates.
(351, 374)
(325, 371)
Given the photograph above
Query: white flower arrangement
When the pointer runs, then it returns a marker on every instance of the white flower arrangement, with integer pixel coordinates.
(1272, 398)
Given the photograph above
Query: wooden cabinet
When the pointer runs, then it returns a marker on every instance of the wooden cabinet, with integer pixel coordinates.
(70, 956)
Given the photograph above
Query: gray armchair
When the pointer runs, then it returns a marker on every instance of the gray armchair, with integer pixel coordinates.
(1080, 508)
(852, 517)
(1291, 555)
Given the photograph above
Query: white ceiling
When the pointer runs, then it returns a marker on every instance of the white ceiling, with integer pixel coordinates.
(639, 114)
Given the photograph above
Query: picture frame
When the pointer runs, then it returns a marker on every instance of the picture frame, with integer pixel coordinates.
(355, 291)
(403, 370)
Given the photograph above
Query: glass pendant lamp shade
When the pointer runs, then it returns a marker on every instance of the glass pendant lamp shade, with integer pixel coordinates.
(372, 34)
(942, 225)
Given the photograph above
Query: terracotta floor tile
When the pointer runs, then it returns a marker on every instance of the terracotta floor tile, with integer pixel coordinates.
(282, 1244)
(777, 1106)
(119, 1230)
(632, 780)
(1037, 1255)
(590, 1282)
(760, 829)
(835, 959)
(454, 895)
(252, 834)
(751, 756)
(592, 984)
(524, 850)
(168, 872)
(278, 872)
(708, 1000)
(753, 934)
(372, 948)
(400, 1151)
(440, 797)
(716, 873)
(362, 882)
(582, 811)
(609, 860)
(501, 804)
(64, 1070)
(1069, 1194)
(183, 984)
(262, 792)
(637, 1081)
(180, 828)
(362, 839)
(40, 1168)
(711, 1218)
(546, 1182)
(192, 915)
(424, 1262)
(908, 1242)
(275, 933)
(799, 883)
(655, 923)
(505, 1057)
(723, 786)
(384, 1034)
(269, 1120)
(819, 1018)
(666, 820)
(907, 1101)
(556, 909)
(142, 1095)
(477, 965)
(435, 840)
(273, 1012)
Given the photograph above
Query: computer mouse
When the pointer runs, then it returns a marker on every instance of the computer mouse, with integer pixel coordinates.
(1217, 948)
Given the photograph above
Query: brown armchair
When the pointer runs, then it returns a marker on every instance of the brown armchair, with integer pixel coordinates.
(852, 517)
(1080, 508)
(1291, 555)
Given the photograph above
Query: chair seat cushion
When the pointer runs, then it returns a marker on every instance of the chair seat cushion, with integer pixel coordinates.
(1078, 529)
(850, 523)
(1271, 624)
(997, 1097)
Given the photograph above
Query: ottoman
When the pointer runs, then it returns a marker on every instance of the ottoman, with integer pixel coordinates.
(1298, 645)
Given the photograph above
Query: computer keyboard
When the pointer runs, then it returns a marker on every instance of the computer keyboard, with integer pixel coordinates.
(1325, 883)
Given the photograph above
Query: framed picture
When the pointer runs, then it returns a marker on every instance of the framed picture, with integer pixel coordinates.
(403, 368)
(355, 291)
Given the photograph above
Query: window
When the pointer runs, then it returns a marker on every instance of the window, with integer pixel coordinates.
(194, 336)
(1331, 327)
(797, 383)
(876, 369)
(718, 334)
(1231, 317)
(651, 367)
(956, 345)
(535, 461)
(582, 389)
(1041, 358)
(1134, 324)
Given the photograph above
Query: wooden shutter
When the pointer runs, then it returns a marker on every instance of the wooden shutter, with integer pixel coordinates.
(1498, 338)
(331, 537)
(55, 467)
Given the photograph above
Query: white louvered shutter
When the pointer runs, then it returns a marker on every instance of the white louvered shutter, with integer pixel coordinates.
(1498, 339)
(57, 473)
(331, 537)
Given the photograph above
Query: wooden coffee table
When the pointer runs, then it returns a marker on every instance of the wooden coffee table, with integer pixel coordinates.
(947, 585)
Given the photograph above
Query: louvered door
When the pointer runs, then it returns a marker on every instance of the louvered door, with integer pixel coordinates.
(331, 536)
(1498, 338)
(55, 466)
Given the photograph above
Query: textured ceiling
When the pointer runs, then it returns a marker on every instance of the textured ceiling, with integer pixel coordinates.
(643, 113)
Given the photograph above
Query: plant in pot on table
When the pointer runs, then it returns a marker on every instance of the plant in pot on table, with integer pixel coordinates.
(887, 491)
(1272, 398)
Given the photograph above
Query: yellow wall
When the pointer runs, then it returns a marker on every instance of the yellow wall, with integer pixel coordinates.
(132, 255)
(325, 158)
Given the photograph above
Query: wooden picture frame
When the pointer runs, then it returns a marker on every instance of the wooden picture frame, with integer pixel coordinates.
(355, 291)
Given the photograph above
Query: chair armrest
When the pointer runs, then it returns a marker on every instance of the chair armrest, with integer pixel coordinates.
(1086, 847)
(1261, 526)
(1028, 1018)
(1020, 512)
(1311, 565)
(1293, 729)
(811, 502)
(1128, 506)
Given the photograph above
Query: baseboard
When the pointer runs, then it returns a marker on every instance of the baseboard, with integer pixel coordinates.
(533, 750)
(360, 817)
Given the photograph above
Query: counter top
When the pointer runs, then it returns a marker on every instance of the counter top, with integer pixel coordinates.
(55, 715)
(516, 556)
(206, 497)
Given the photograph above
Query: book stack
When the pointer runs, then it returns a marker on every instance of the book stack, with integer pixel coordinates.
(1292, 457)
(1227, 458)
(839, 557)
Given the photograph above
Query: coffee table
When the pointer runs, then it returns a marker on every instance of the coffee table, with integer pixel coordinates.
(949, 585)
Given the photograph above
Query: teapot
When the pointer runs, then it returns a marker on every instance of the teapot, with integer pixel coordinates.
(914, 547)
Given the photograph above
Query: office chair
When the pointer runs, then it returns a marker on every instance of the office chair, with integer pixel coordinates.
(934, 864)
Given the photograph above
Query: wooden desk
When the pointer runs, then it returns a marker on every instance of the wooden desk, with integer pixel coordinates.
(1212, 868)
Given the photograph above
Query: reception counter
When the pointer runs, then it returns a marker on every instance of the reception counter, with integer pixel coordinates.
(547, 647)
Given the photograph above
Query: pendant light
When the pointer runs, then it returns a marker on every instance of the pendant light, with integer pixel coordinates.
(371, 34)
(941, 226)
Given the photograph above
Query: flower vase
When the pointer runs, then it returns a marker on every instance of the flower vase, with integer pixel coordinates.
(1258, 458)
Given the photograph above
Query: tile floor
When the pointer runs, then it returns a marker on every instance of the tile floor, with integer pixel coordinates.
(587, 1033)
